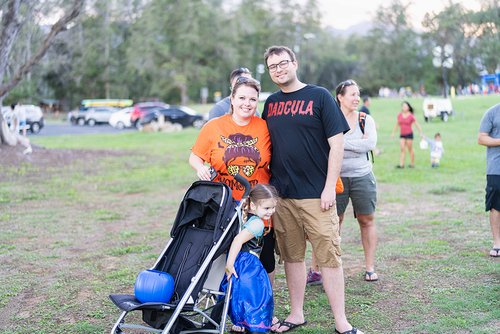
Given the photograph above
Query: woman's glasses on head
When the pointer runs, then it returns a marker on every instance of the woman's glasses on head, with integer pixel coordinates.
(242, 80)
(345, 84)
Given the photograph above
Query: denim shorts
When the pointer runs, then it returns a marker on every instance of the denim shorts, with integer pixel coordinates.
(363, 193)
(407, 136)
(492, 192)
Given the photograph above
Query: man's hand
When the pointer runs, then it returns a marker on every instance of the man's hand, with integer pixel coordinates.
(328, 199)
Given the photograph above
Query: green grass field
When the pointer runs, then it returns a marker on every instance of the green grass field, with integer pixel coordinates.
(82, 224)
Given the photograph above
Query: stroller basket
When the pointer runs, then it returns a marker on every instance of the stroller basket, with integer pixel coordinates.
(205, 225)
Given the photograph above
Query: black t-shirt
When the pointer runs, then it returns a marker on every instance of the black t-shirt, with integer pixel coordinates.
(300, 124)
(365, 109)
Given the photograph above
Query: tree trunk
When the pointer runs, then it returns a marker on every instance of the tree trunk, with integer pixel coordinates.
(59, 26)
(10, 27)
(6, 136)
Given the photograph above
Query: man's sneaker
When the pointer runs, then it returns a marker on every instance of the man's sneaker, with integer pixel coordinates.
(314, 277)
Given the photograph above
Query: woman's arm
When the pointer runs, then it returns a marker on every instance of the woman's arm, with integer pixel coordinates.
(395, 128)
(419, 128)
(242, 237)
(367, 142)
(202, 170)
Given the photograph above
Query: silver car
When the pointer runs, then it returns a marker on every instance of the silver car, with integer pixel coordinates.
(95, 115)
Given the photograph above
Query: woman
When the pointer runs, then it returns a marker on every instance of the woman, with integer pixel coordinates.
(404, 122)
(234, 143)
(359, 182)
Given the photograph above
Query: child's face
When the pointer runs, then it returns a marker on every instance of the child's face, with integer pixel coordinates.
(264, 208)
(437, 138)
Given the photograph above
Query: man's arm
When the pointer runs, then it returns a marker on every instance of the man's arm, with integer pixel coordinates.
(335, 158)
(484, 139)
(219, 109)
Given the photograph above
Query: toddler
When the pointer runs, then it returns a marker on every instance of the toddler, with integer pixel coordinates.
(437, 149)
(251, 307)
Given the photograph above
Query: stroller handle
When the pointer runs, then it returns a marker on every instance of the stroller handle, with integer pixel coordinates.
(245, 184)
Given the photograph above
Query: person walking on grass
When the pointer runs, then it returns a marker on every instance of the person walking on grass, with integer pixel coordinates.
(366, 103)
(306, 128)
(489, 136)
(405, 121)
(360, 185)
(436, 148)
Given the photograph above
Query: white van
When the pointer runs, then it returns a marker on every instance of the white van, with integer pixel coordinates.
(437, 107)
(34, 117)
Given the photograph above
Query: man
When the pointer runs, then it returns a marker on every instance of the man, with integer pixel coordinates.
(223, 106)
(365, 108)
(489, 136)
(366, 103)
(306, 128)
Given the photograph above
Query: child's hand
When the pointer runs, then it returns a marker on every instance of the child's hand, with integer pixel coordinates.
(231, 271)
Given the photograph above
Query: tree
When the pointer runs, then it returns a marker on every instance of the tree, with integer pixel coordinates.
(390, 54)
(450, 27)
(486, 36)
(180, 50)
(11, 24)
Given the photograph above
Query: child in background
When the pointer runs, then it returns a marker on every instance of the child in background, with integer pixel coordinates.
(251, 307)
(437, 149)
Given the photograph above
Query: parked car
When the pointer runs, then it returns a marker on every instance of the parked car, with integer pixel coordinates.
(77, 116)
(143, 108)
(437, 107)
(34, 117)
(98, 115)
(175, 114)
(121, 119)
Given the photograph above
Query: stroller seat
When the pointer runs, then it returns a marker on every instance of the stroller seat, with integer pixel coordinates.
(206, 223)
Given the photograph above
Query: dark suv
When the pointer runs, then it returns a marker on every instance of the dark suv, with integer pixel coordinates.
(143, 108)
(175, 114)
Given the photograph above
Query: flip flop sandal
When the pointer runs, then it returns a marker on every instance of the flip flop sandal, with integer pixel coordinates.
(237, 329)
(354, 330)
(369, 274)
(291, 326)
(496, 250)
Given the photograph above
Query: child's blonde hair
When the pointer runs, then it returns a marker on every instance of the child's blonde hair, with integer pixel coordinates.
(258, 193)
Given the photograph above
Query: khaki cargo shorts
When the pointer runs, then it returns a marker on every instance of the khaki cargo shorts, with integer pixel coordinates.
(296, 220)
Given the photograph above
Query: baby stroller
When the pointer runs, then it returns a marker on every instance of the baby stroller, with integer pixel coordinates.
(206, 223)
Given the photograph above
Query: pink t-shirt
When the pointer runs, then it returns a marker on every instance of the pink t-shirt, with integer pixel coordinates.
(405, 124)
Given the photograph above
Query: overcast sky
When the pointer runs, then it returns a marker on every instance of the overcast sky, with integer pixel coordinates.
(342, 14)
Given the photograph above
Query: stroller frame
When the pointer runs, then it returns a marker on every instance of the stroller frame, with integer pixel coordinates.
(187, 308)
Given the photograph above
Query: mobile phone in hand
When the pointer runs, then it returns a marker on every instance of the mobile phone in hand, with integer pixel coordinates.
(213, 173)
